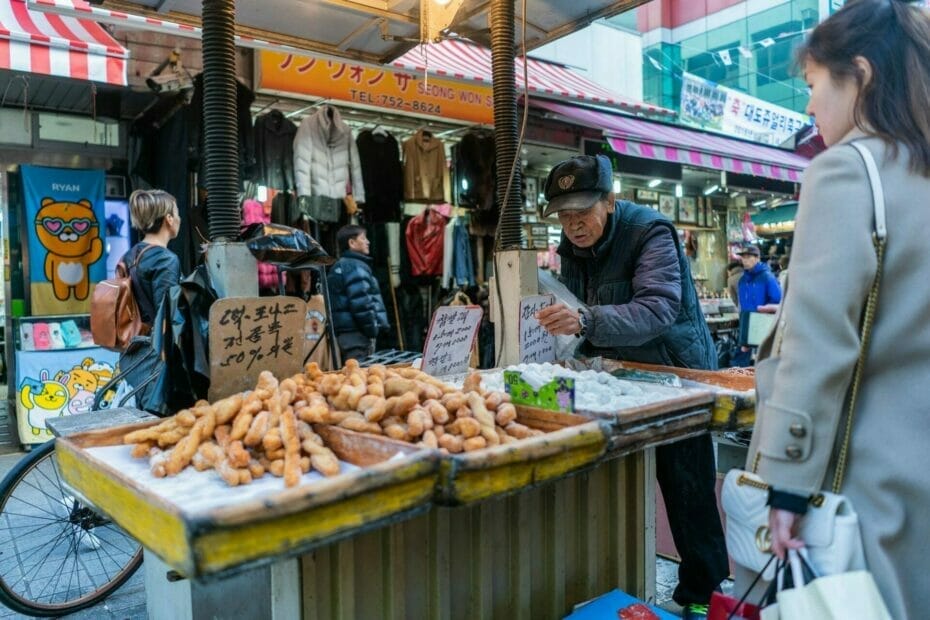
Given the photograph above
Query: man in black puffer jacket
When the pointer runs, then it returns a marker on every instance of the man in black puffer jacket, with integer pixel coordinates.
(358, 309)
(625, 263)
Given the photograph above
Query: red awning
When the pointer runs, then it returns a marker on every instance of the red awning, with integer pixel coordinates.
(642, 138)
(465, 61)
(57, 45)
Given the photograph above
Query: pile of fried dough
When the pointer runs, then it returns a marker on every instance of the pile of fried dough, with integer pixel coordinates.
(269, 428)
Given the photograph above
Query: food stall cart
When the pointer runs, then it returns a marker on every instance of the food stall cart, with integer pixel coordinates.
(528, 528)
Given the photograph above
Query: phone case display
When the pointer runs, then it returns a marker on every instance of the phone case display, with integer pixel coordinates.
(117, 233)
(58, 371)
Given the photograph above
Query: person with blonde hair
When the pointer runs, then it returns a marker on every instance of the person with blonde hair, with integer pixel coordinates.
(868, 69)
(153, 267)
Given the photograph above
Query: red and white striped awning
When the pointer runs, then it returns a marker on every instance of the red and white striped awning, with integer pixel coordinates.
(60, 46)
(80, 9)
(464, 61)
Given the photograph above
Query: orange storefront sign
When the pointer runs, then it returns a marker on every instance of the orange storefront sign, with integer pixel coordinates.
(375, 86)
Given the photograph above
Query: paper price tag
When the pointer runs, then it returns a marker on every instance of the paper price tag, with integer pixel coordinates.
(452, 334)
(536, 344)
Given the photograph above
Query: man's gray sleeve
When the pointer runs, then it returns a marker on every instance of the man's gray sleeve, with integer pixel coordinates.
(656, 297)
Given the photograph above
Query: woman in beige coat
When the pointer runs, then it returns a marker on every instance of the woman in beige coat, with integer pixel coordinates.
(868, 68)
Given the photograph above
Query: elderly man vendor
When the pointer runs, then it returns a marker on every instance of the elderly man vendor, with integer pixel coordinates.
(625, 263)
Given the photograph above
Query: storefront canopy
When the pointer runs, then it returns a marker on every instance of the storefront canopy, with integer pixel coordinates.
(464, 61)
(57, 45)
(641, 138)
(372, 31)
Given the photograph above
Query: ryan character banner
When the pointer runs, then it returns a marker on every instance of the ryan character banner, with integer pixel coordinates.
(64, 213)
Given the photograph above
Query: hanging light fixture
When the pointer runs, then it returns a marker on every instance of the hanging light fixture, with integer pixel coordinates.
(436, 16)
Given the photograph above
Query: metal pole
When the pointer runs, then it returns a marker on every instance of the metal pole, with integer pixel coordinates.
(221, 138)
(503, 18)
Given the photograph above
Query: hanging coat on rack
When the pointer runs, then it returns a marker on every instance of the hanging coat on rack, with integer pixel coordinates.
(326, 161)
(274, 151)
(382, 174)
(425, 236)
(424, 168)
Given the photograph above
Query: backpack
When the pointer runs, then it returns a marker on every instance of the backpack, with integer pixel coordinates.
(114, 313)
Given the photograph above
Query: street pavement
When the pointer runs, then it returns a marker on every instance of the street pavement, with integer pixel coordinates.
(126, 603)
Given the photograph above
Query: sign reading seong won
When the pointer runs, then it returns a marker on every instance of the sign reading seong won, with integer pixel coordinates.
(374, 86)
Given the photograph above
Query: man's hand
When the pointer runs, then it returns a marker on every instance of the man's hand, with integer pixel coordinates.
(783, 524)
(559, 320)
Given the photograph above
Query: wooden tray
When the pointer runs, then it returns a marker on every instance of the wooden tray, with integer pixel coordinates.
(208, 543)
(571, 442)
(734, 395)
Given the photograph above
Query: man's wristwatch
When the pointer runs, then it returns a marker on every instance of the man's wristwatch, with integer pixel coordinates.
(583, 319)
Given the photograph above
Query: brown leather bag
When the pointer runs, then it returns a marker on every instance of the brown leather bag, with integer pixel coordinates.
(114, 313)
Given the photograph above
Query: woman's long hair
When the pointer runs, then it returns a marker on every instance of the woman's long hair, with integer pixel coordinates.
(894, 37)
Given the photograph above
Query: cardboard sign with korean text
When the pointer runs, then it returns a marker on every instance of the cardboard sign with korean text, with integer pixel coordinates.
(452, 334)
(536, 344)
(252, 334)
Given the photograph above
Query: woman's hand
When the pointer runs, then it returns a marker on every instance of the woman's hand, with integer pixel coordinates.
(783, 524)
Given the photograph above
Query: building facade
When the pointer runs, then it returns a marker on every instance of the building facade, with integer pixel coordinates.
(746, 45)
(606, 52)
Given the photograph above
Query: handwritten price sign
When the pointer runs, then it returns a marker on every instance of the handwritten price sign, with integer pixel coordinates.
(536, 344)
(252, 334)
(452, 334)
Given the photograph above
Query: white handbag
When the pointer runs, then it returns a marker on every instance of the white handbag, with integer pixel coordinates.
(830, 529)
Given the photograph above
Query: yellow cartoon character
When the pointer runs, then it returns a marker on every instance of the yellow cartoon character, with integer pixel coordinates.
(71, 234)
(42, 399)
(79, 378)
(102, 370)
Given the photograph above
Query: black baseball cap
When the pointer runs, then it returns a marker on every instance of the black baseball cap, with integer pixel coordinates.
(751, 250)
(577, 183)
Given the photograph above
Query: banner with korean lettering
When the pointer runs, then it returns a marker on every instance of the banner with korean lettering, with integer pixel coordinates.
(378, 87)
(712, 107)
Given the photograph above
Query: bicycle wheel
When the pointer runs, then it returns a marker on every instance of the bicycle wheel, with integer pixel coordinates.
(57, 555)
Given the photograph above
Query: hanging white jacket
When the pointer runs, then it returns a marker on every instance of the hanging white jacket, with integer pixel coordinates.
(326, 158)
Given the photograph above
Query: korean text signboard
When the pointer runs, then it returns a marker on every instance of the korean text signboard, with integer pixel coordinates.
(451, 336)
(252, 334)
(536, 344)
(713, 107)
(380, 87)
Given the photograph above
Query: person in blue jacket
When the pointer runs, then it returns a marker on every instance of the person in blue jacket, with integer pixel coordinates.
(358, 309)
(758, 286)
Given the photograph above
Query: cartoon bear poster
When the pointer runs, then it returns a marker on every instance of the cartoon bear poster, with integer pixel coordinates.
(64, 212)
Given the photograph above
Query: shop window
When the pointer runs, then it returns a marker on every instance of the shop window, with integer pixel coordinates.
(775, 63)
(17, 127)
(710, 66)
(79, 130)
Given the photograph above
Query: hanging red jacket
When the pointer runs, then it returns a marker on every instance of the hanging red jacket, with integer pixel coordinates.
(424, 235)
